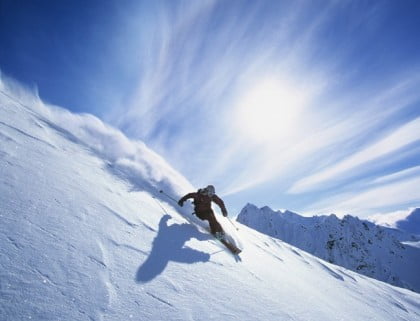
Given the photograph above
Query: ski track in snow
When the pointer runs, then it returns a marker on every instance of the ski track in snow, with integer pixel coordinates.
(331, 272)
(270, 253)
(129, 247)
(159, 299)
(21, 132)
(120, 217)
(15, 243)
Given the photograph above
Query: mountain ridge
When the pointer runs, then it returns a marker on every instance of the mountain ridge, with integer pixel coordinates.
(358, 245)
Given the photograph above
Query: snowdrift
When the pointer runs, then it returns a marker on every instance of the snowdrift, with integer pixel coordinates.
(86, 236)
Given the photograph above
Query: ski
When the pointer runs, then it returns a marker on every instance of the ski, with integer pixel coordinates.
(235, 250)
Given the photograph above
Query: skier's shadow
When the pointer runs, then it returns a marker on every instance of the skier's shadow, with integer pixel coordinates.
(168, 245)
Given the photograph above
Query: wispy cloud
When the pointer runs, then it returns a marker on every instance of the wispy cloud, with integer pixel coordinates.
(406, 134)
(403, 193)
(243, 96)
(398, 176)
(203, 57)
(334, 145)
(292, 97)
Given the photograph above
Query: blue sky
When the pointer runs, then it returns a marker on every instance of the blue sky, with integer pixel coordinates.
(313, 106)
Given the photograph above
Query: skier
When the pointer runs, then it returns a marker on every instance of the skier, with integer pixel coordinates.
(202, 207)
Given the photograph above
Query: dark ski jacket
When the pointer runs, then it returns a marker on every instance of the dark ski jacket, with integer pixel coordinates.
(202, 202)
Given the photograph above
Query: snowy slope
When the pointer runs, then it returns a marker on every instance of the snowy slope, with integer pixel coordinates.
(357, 245)
(85, 236)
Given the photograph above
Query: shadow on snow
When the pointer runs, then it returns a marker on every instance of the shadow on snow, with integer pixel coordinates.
(168, 245)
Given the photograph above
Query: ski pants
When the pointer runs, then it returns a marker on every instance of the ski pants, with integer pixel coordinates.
(208, 215)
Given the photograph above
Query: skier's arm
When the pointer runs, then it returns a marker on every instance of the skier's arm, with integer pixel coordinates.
(221, 204)
(183, 199)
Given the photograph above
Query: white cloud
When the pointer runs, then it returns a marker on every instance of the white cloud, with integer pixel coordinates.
(323, 138)
(404, 135)
(373, 200)
(400, 175)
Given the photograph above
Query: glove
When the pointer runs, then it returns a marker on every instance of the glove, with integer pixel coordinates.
(180, 203)
(224, 214)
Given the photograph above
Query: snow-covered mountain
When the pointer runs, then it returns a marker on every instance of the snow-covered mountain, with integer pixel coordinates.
(411, 224)
(407, 221)
(358, 245)
(85, 235)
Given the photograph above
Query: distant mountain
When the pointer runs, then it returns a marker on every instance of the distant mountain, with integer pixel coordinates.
(411, 223)
(358, 245)
(405, 221)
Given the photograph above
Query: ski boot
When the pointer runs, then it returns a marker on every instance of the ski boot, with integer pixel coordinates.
(220, 235)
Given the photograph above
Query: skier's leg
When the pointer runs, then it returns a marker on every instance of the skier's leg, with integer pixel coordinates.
(214, 224)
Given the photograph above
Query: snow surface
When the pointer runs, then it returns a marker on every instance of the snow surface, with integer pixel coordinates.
(355, 244)
(85, 235)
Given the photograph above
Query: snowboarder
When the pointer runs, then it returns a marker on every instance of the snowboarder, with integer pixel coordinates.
(202, 207)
